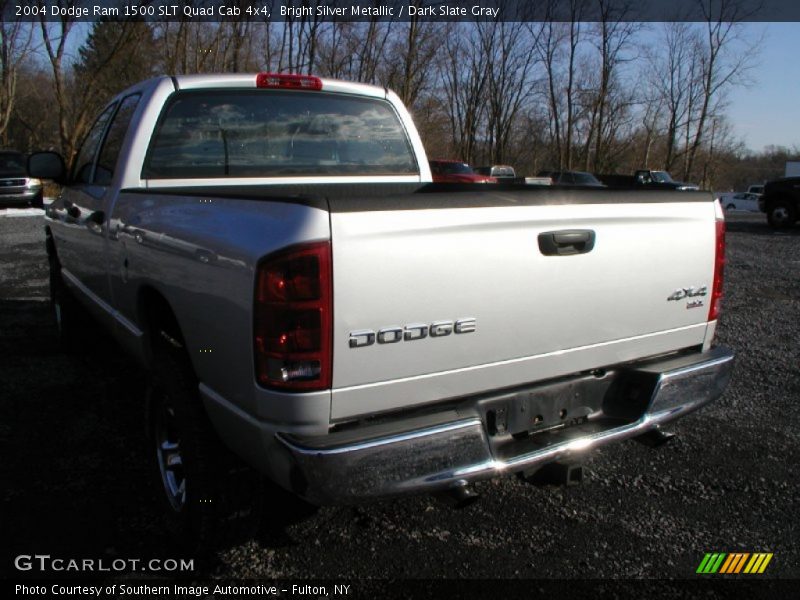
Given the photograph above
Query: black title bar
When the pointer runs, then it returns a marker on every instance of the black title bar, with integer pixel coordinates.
(401, 10)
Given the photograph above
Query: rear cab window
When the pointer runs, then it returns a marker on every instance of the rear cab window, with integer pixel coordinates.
(259, 133)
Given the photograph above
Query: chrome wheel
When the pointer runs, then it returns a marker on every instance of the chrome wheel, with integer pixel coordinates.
(213, 499)
(170, 459)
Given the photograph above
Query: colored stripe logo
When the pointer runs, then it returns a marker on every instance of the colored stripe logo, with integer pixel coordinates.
(734, 563)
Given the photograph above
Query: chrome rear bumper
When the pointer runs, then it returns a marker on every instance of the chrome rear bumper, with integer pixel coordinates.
(457, 450)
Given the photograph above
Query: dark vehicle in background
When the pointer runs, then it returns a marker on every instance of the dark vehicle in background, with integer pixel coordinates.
(579, 178)
(456, 171)
(645, 178)
(16, 188)
(500, 172)
(781, 202)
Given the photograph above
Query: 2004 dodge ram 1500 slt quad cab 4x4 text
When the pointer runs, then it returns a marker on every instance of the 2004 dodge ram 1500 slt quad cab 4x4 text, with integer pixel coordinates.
(271, 248)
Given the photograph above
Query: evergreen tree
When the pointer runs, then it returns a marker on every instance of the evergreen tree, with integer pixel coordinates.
(115, 56)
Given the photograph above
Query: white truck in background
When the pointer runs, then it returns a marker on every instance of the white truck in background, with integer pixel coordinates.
(271, 249)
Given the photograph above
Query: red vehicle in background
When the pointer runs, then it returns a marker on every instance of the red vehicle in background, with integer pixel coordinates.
(456, 171)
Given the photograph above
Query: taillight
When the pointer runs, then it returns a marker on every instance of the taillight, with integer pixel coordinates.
(285, 81)
(292, 325)
(719, 267)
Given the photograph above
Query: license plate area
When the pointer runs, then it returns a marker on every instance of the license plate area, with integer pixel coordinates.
(557, 405)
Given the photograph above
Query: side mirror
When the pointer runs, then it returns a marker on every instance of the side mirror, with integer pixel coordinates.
(47, 165)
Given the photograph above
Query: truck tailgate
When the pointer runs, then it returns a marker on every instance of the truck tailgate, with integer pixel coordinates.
(537, 314)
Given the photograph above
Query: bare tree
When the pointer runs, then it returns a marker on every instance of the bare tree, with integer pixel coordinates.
(509, 63)
(372, 53)
(171, 39)
(79, 97)
(55, 37)
(238, 41)
(33, 125)
(357, 51)
(536, 94)
(558, 50)
(301, 38)
(726, 60)
(333, 62)
(650, 117)
(414, 53)
(613, 36)
(15, 44)
(464, 80)
(573, 39)
(547, 48)
(671, 72)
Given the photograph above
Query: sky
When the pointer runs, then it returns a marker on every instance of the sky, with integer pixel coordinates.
(768, 112)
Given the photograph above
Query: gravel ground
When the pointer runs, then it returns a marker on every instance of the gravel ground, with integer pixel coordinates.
(74, 482)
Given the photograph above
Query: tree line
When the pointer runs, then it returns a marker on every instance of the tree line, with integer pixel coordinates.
(612, 95)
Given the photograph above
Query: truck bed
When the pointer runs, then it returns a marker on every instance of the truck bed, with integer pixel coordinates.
(409, 256)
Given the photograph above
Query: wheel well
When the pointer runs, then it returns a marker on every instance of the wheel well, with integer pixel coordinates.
(158, 319)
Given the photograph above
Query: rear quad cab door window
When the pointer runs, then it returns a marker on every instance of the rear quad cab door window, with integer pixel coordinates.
(82, 168)
(258, 133)
(109, 153)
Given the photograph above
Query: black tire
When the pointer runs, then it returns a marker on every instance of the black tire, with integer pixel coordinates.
(781, 214)
(730, 207)
(69, 317)
(209, 497)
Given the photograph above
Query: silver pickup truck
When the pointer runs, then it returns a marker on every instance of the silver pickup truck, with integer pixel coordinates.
(271, 248)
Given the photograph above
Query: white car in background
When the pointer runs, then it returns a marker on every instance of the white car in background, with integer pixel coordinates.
(739, 201)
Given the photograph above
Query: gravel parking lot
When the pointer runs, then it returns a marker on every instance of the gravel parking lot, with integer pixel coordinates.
(75, 482)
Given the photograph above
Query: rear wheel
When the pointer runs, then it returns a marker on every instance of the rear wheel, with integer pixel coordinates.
(209, 497)
(781, 214)
(730, 206)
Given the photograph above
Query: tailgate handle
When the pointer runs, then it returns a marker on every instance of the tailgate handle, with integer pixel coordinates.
(566, 242)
